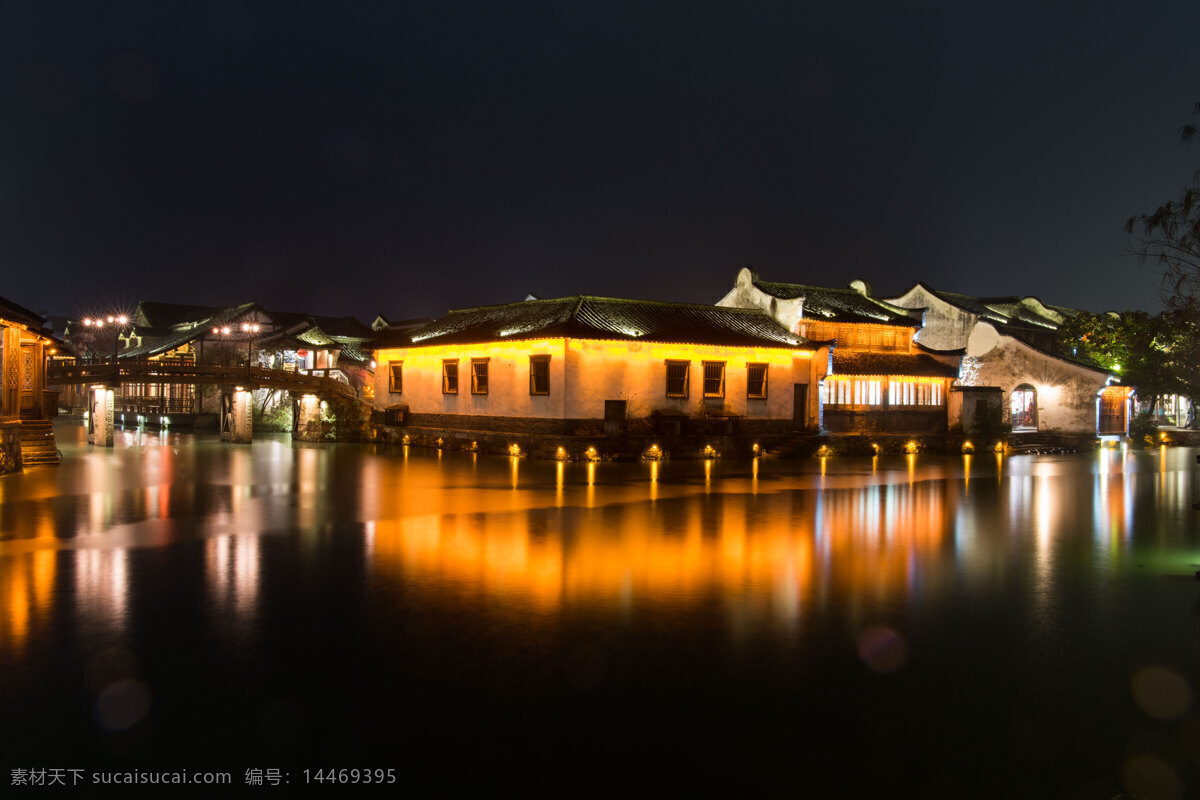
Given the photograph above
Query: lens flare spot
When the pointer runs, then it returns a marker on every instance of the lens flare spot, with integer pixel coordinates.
(122, 705)
(882, 649)
(1162, 693)
(1146, 776)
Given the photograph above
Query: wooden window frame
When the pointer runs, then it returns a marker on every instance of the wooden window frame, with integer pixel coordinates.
(543, 360)
(687, 377)
(475, 387)
(447, 364)
(396, 377)
(763, 394)
(720, 393)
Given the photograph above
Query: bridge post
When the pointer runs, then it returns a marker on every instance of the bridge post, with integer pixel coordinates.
(100, 416)
(237, 416)
(308, 420)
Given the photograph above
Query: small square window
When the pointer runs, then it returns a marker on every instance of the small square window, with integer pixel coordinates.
(539, 374)
(677, 378)
(714, 378)
(756, 381)
(449, 377)
(396, 376)
(479, 376)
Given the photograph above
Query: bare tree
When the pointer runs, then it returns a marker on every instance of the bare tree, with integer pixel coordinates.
(1170, 236)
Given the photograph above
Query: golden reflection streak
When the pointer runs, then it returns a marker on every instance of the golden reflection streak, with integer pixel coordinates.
(765, 555)
(514, 466)
(591, 484)
(559, 468)
(966, 473)
(653, 481)
(911, 458)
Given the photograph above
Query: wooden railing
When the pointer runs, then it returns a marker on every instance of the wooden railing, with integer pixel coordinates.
(130, 370)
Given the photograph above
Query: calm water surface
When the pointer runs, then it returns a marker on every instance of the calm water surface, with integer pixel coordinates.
(915, 626)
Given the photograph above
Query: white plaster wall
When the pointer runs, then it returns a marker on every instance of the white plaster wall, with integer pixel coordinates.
(1066, 392)
(945, 326)
(584, 373)
(508, 379)
(636, 372)
(745, 294)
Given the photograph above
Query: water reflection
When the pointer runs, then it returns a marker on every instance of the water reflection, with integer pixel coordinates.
(778, 546)
(232, 564)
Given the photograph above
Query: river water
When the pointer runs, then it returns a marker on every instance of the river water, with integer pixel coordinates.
(930, 626)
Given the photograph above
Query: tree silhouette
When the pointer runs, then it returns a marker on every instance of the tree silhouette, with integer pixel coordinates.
(1170, 236)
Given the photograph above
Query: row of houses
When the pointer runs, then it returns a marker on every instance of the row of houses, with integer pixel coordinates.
(777, 357)
(770, 358)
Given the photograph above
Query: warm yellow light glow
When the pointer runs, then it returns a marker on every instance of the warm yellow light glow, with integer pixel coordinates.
(755, 448)
(912, 447)
(824, 451)
(514, 449)
(710, 451)
(967, 447)
(733, 356)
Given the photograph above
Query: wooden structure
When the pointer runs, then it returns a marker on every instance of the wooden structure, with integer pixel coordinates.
(880, 380)
(25, 403)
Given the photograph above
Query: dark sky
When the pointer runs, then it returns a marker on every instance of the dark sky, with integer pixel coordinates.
(405, 158)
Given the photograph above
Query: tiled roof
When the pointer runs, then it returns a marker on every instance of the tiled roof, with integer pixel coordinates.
(839, 305)
(169, 315)
(336, 327)
(586, 317)
(10, 310)
(849, 362)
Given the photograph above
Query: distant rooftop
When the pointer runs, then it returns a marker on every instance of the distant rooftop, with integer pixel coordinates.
(839, 305)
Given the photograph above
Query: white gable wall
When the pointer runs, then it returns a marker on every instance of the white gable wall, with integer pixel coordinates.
(745, 294)
(1066, 392)
(945, 326)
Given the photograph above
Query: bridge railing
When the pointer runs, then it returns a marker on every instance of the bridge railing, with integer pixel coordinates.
(140, 370)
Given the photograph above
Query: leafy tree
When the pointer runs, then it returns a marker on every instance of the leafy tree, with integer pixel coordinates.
(1154, 353)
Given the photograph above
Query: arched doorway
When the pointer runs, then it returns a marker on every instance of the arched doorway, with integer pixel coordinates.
(1024, 408)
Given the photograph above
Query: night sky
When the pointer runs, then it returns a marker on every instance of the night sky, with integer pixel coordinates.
(406, 158)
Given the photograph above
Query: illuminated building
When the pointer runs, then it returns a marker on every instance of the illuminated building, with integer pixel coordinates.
(1010, 343)
(880, 380)
(553, 366)
(25, 344)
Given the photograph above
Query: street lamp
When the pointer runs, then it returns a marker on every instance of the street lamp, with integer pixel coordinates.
(249, 329)
(115, 321)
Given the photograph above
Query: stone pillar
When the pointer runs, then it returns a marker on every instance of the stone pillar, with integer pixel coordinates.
(308, 420)
(237, 416)
(100, 416)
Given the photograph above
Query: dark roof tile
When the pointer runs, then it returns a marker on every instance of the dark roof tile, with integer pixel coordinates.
(586, 317)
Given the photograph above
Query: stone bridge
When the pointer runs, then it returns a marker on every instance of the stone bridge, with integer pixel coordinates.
(236, 382)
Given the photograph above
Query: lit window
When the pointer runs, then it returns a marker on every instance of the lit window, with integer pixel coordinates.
(677, 378)
(479, 376)
(449, 377)
(756, 381)
(396, 376)
(714, 378)
(539, 374)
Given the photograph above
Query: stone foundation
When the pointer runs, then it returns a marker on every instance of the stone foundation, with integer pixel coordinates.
(10, 446)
